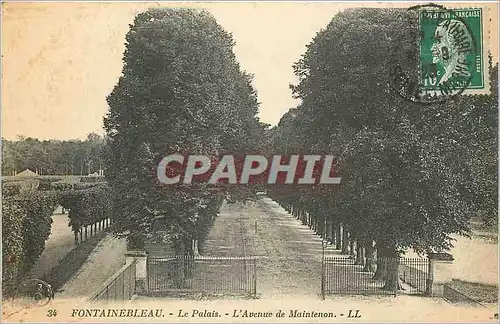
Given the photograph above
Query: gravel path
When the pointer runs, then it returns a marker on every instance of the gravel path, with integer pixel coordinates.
(60, 242)
(289, 253)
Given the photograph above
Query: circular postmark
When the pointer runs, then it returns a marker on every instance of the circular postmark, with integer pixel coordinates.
(28, 294)
(435, 55)
(35, 292)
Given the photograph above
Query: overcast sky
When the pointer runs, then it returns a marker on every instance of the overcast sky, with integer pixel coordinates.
(61, 60)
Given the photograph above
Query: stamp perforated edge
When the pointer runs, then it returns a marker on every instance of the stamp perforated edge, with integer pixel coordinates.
(485, 45)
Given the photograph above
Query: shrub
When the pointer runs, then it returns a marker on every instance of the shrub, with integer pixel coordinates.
(62, 186)
(86, 185)
(26, 225)
(88, 179)
(10, 189)
(39, 207)
(13, 217)
(67, 186)
(15, 187)
(46, 183)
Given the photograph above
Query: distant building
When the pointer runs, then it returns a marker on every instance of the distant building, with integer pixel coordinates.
(26, 173)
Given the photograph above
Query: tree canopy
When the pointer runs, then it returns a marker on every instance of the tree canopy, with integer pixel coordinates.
(410, 172)
(181, 91)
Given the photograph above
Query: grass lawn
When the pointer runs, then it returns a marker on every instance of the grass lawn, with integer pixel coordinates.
(477, 291)
(72, 262)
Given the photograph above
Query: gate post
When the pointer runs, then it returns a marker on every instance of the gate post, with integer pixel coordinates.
(141, 273)
(440, 273)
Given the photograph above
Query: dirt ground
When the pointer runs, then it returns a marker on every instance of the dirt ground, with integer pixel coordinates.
(289, 254)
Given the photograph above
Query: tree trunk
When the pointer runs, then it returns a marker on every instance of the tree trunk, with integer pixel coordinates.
(345, 241)
(196, 251)
(329, 230)
(392, 277)
(369, 253)
(381, 271)
(321, 226)
(352, 251)
(338, 239)
(360, 255)
(76, 237)
(86, 233)
(188, 260)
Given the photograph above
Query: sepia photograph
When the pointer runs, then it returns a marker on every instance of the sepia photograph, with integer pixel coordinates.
(236, 161)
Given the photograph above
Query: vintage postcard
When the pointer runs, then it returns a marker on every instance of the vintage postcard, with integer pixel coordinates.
(234, 162)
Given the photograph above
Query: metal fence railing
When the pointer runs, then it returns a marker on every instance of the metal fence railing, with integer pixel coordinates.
(207, 274)
(121, 286)
(414, 274)
(341, 275)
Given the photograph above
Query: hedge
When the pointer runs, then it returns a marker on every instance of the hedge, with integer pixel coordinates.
(13, 217)
(10, 189)
(26, 221)
(39, 207)
(15, 187)
(46, 183)
(67, 186)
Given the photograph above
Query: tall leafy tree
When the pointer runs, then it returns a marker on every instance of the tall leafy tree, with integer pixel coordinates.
(406, 168)
(181, 91)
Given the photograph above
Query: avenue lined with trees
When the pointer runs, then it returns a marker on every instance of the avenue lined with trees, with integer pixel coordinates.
(412, 175)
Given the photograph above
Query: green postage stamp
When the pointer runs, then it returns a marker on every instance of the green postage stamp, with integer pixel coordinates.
(452, 54)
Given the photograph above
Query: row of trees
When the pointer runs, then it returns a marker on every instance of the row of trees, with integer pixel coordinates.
(412, 174)
(181, 91)
(53, 157)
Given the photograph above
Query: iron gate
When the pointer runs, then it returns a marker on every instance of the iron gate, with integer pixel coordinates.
(341, 275)
(206, 274)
